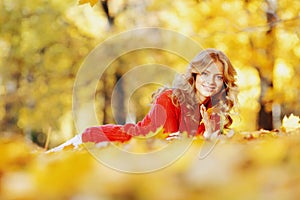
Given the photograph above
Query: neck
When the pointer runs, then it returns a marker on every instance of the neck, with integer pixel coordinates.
(205, 101)
(201, 99)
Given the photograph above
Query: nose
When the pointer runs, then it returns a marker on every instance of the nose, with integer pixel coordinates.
(210, 80)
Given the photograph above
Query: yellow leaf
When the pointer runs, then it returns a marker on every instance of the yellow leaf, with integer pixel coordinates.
(159, 133)
(92, 2)
(69, 147)
(290, 123)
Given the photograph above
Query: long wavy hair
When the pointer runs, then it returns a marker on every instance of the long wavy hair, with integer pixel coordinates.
(184, 87)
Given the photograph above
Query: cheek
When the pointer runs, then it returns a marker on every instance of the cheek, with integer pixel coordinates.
(198, 82)
(219, 85)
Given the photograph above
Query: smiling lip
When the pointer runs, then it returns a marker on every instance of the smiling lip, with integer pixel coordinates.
(208, 88)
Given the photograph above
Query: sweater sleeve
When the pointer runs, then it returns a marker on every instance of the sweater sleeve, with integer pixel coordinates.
(163, 113)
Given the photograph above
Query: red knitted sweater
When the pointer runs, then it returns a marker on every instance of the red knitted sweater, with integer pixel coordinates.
(162, 113)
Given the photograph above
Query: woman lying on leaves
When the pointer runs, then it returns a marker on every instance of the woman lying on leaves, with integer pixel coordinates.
(198, 104)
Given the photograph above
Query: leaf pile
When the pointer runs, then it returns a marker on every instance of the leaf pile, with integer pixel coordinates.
(257, 165)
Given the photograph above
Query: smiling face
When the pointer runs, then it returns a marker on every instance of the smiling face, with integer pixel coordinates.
(210, 81)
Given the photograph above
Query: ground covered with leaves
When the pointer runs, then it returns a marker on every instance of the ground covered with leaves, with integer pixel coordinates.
(254, 165)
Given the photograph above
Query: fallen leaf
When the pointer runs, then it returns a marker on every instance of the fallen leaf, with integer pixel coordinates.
(91, 2)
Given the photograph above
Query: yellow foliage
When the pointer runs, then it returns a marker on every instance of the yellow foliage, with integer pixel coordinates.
(91, 2)
(43, 58)
(39, 62)
(234, 169)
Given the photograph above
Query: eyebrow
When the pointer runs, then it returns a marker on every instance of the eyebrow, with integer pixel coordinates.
(210, 72)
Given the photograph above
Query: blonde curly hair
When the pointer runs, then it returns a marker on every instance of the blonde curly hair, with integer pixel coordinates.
(184, 88)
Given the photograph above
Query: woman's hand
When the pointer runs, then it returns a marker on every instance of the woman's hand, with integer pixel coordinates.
(210, 130)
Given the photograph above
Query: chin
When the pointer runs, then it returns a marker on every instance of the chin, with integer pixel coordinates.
(208, 94)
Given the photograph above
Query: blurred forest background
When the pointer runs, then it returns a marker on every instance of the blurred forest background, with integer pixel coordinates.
(43, 44)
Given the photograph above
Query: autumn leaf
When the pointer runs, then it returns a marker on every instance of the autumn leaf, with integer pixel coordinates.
(92, 2)
(290, 123)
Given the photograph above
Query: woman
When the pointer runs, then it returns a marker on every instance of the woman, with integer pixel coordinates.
(199, 104)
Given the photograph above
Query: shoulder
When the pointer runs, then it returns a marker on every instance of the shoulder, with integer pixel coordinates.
(166, 98)
(165, 95)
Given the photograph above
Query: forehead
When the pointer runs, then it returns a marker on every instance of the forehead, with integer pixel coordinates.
(215, 68)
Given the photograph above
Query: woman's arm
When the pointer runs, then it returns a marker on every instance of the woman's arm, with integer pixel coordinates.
(163, 113)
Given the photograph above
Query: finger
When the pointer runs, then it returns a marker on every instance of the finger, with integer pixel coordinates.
(205, 117)
(202, 110)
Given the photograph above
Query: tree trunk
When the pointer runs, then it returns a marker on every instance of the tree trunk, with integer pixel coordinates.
(107, 101)
(265, 117)
(120, 116)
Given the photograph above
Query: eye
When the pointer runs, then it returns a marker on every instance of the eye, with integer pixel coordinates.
(204, 74)
(220, 77)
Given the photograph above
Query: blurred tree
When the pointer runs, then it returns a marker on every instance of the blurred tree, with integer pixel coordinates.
(265, 117)
(42, 44)
(42, 52)
(112, 75)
